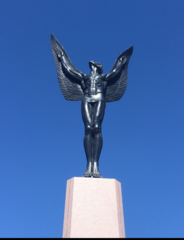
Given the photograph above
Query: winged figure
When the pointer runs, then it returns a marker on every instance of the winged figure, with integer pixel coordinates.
(94, 91)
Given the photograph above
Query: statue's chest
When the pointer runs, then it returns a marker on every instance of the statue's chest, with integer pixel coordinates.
(94, 81)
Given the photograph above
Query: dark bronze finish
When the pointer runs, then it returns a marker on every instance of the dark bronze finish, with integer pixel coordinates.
(93, 90)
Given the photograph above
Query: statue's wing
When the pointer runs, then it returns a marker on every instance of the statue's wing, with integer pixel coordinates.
(116, 87)
(70, 88)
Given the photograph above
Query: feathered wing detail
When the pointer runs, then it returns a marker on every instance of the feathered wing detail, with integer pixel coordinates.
(70, 88)
(116, 88)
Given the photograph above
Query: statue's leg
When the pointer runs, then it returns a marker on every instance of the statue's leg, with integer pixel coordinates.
(87, 119)
(99, 110)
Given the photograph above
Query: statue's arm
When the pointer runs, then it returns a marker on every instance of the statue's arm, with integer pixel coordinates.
(116, 71)
(78, 76)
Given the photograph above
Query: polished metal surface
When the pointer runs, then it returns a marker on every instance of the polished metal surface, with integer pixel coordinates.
(94, 91)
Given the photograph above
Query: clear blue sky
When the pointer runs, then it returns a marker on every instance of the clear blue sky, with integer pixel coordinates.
(41, 136)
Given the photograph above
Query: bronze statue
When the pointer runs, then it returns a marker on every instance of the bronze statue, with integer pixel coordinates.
(93, 90)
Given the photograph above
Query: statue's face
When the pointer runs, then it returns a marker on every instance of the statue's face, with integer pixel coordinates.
(93, 67)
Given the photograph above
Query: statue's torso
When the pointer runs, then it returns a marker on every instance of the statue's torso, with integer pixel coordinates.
(94, 88)
(93, 84)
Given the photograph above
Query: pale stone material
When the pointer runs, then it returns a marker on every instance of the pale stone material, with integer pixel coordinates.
(93, 209)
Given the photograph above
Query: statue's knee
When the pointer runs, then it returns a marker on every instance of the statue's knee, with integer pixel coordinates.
(88, 129)
(97, 129)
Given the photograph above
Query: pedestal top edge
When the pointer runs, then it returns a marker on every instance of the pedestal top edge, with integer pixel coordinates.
(88, 179)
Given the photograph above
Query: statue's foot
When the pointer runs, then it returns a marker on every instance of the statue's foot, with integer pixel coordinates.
(97, 175)
(96, 172)
(88, 172)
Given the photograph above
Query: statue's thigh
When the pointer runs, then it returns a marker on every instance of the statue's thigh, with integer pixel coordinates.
(87, 114)
(99, 110)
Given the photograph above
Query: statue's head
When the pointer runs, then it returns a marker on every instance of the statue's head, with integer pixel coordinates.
(97, 65)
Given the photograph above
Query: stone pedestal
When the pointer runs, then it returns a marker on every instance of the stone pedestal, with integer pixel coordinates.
(93, 209)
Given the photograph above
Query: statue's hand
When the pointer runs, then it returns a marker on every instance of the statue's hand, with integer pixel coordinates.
(123, 60)
(59, 56)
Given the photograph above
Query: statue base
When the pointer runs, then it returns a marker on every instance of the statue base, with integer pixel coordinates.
(93, 209)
